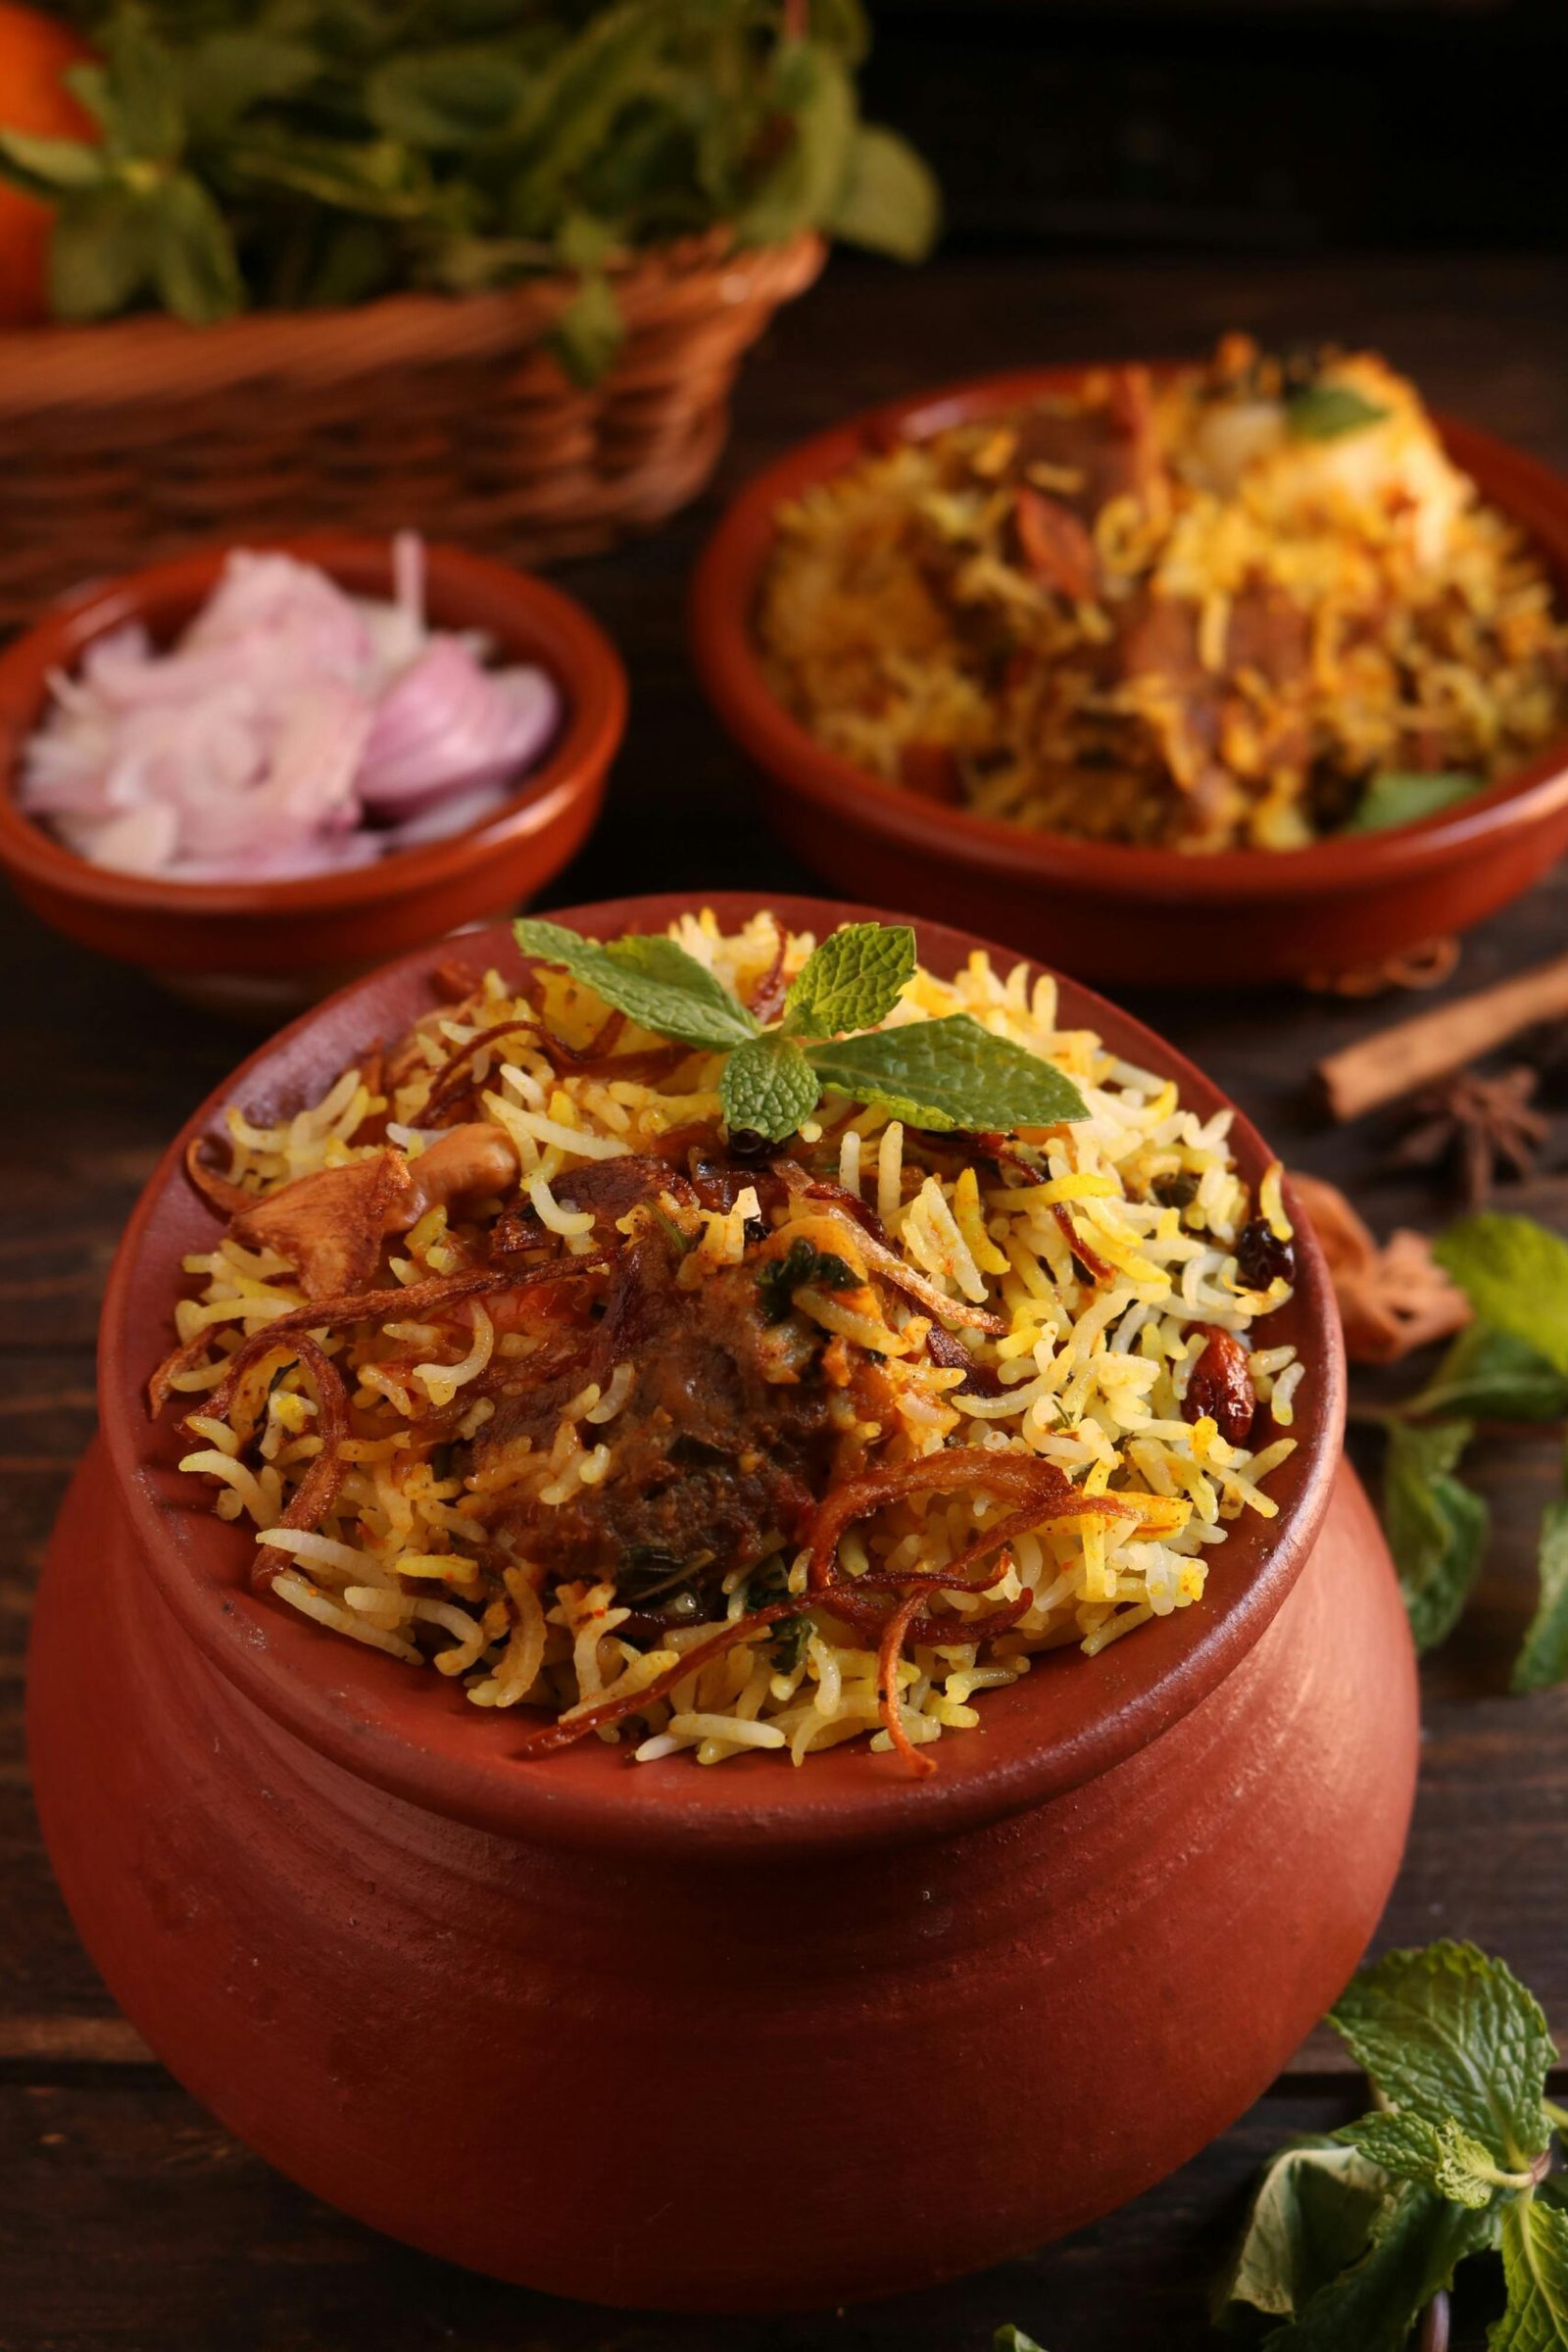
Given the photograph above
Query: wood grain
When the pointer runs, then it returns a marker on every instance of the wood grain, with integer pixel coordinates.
(131, 2221)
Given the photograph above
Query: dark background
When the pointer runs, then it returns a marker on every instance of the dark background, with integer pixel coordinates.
(1243, 125)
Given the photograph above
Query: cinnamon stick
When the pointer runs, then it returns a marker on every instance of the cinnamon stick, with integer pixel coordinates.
(1394, 1063)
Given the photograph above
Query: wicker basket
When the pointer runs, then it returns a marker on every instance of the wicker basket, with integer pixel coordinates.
(122, 443)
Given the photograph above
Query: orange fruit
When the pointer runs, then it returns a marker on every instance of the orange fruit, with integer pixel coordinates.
(34, 52)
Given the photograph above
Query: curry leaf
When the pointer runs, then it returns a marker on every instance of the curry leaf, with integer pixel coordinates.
(1396, 799)
(1515, 1275)
(1436, 1528)
(949, 1073)
(1447, 2031)
(652, 980)
(1542, 1660)
(852, 980)
(768, 1087)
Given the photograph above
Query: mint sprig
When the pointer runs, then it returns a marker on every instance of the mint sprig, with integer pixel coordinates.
(936, 1074)
(1349, 2238)
(1323, 412)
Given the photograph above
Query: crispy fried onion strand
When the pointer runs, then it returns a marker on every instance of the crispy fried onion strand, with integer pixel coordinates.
(573, 1727)
(889, 1650)
(879, 1259)
(316, 1490)
(221, 1194)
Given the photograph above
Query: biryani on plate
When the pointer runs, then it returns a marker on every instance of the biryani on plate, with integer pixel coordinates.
(717, 1342)
(1247, 605)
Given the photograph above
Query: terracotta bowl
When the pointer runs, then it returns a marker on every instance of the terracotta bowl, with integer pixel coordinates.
(280, 944)
(1133, 915)
(588, 2025)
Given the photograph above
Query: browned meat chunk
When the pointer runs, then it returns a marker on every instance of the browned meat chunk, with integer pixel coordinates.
(720, 1447)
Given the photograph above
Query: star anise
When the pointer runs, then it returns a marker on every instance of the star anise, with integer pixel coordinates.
(1483, 1124)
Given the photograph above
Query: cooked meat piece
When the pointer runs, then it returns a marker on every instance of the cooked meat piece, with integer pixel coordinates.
(1053, 545)
(722, 1444)
(330, 1225)
(611, 1188)
(1110, 447)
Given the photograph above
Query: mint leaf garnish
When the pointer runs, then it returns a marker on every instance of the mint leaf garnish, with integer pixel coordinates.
(767, 1087)
(1534, 2270)
(1441, 2156)
(949, 1073)
(650, 979)
(1436, 1527)
(1323, 412)
(1418, 2241)
(937, 1075)
(852, 981)
(1515, 1275)
(1311, 2217)
(1542, 1660)
(1448, 2032)
(1488, 1375)
(1400, 798)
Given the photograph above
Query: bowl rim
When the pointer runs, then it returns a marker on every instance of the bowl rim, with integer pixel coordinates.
(578, 654)
(399, 1731)
(731, 672)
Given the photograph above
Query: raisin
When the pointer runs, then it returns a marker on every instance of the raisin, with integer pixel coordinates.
(1221, 1386)
(1261, 1257)
(1179, 1190)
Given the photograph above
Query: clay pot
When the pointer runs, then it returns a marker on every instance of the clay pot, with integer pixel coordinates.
(594, 2026)
(1113, 912)
(270, 946)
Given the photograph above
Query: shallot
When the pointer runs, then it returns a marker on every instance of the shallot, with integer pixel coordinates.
(292, 730)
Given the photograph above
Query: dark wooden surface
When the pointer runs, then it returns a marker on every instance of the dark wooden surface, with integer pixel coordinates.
(127, 2219)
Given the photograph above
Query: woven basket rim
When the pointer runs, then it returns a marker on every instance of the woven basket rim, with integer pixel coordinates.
(119, 361)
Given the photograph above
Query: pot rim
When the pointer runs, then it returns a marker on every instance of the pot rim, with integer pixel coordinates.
(415, 1735)
(731, 671)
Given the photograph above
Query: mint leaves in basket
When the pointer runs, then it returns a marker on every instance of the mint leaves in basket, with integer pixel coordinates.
(938, 1074)
(306, 152)
(1353, 2236)
(1511, 1366)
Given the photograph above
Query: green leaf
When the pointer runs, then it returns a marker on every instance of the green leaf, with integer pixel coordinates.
(852, 981)
(194, 265)
(378, 177)
(1323, 412)
(1534, 2270)
(575, 106)
(651, 980)
(1013, 2340)
(1543, 1661)
(949, 1073)
(100, 255)
(145, 120)
(1515, 1275)
(1417, 2243)
(227, 72)
(1441, 2156)
(447, 99)
(1488, 1375)
(781, 1277)
(1310, 2217)
(1436, 1527)
(47, 167)
(802, 190)
(768, 1087)
(1449, 2032)
(589, 331)
(890, 201)
(1398, 799)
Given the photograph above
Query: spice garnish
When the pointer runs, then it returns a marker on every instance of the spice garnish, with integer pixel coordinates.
(1353, 2235)
(941, 1074)
(1485, 1123)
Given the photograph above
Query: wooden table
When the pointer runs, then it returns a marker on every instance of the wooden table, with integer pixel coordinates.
(127, 2218)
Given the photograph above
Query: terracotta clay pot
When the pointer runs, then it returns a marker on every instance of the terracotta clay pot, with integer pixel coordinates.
(589, 2026)
(1113, 912)
(280, 944)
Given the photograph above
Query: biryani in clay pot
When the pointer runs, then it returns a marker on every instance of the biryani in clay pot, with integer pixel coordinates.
(737, 1340)
(742, 1503)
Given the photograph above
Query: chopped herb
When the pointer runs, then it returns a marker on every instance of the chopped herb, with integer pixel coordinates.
(1322, 412)
(787, 1649)
(801, 1264)
(1398, 798)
